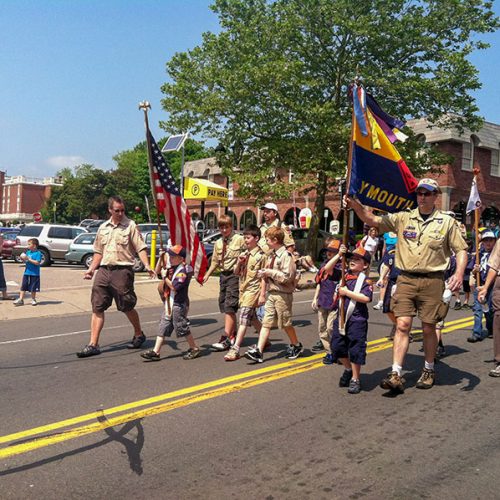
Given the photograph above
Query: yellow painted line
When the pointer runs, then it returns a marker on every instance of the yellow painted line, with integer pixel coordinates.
(261, 376)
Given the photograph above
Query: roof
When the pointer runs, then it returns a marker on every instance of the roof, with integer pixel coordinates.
(202, 168)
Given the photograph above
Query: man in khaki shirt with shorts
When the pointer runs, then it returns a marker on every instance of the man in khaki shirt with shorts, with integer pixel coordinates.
(117, 242)
(426, 239)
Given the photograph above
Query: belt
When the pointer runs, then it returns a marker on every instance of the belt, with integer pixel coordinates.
(435, 274)
(227, 273)
(112, 268)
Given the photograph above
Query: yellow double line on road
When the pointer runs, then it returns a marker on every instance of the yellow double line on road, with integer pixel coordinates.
(187, 396)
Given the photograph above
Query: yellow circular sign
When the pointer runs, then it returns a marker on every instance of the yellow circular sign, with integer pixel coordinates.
(195, 190)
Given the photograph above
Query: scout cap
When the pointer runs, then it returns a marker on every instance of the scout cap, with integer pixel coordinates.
(333, 246)
(270, 206)
(360, 252)
(488, 234)
(429, 184)
(177, 250)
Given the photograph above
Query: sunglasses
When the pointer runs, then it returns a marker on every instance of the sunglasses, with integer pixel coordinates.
(424, 193)
(118, 210)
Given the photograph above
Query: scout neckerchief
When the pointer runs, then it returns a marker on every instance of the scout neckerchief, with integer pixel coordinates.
(352, 303)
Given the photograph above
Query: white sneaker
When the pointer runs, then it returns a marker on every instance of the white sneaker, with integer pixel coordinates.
(18, 302)
(34, 302)
(378, 306)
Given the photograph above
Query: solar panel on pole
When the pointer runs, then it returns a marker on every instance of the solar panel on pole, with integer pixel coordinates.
(174, 143)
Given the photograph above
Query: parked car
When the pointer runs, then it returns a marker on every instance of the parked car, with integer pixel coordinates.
(95, 225)
(147, 228)
(9, 241)
(54, 240)
(81, 249)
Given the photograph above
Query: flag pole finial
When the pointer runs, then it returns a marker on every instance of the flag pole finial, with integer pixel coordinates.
(144, 105)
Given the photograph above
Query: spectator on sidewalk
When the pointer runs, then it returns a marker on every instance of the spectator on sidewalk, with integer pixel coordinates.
(3, 284)
(31, 276)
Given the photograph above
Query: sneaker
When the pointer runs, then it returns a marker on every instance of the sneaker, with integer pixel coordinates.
(223, 345)
(150, 355)
(318, 347)
(254, 354)
(440, 352)
(345, 378)
(466, 306)
(192, 354)
(18, 302)
(473, 339)
(89, 350)
(378, 305)
(34, 302)
(490, 335)
(394, 382)
(293, 351)
(328, 359)
(457, 306)
(137, 341)
(495, 372)
(233, 354)
(354, 387)
(426, 380)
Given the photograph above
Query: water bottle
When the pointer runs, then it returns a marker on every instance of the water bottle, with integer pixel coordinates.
(447, 295)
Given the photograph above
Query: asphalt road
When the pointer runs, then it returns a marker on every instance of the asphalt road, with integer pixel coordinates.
(114, 426)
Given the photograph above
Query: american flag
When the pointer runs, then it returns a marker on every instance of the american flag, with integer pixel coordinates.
(173, 206)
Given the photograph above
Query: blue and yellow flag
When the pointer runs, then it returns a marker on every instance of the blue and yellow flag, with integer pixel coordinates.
(379, 176)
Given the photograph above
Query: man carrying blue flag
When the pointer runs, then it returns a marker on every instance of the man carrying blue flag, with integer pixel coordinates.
(426, 239)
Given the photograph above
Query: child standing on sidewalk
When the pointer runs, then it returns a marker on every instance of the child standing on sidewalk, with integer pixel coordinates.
(248, 266)
(327, 279)
(31, 276)
(349, 346)
(174, 317)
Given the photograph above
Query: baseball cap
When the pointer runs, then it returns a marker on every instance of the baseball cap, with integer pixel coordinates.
(488, 234)
(270, 206)
(429, 184)
(360, 252)
(177, 250)
(333, 246)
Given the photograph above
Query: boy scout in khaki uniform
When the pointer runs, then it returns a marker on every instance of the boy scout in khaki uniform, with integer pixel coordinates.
(248, 267)
(224, 258)
(270, 211)
(278, 279)
(426, 239)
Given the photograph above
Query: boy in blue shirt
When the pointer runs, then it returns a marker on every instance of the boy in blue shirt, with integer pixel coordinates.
(349, 346)
(176, 304)
(31, 277)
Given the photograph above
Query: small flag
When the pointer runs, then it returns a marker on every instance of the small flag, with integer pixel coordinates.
(474, 200)
(172, 204)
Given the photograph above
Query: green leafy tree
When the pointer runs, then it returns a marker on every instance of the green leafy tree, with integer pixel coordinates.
(271, 86)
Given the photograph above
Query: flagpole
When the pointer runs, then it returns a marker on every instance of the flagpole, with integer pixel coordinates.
(145, 105)
(476, 229)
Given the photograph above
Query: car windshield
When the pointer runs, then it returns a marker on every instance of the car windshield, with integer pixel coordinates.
(85, 239)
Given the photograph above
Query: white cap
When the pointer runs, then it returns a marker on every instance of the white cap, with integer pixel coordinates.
(270, 206)
(488, 234)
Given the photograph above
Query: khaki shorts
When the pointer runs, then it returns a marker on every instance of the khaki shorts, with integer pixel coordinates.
(420, 295)
(278, 307)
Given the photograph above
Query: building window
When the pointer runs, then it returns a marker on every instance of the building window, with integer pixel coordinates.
(469, 153)
(247, 218)
(233, 218)
(495, 167)
(210, 220)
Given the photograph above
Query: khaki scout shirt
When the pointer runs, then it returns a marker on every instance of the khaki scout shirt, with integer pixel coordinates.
(118, 244)
(235, 245)
(494, 260)
(423, 246)
(282, 278)
(249, 282)
(276, 223)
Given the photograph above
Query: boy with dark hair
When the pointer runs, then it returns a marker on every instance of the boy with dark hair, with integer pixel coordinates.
(176, 303)
(248, 266)
(31, 276)
(278, 281)
(349, 346)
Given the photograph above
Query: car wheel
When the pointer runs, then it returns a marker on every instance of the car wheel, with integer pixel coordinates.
(138, 265)
(87, 260)
(45, 261)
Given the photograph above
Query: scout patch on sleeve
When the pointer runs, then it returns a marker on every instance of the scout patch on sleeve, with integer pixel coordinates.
(411, 235)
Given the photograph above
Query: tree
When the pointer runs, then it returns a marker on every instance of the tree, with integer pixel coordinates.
(272, 85)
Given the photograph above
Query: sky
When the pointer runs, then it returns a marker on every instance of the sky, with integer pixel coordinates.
(72, 73)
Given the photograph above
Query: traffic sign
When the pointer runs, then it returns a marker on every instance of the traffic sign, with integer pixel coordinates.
(37, 217)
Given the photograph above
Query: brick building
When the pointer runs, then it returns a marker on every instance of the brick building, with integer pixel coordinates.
(455, 180)
(21, 197)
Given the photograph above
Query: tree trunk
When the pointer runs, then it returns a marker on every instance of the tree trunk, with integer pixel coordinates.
(319, 207)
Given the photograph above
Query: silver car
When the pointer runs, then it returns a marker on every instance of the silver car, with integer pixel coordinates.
(81, 249)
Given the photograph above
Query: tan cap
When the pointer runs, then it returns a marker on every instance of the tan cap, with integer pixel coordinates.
(270, 206)
(429, 184)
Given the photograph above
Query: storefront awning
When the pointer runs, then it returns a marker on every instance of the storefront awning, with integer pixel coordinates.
(203, 190)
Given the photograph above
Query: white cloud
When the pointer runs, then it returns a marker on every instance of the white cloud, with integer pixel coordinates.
(59, 162)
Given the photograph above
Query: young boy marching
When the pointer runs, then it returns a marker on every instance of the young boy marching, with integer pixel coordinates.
(176, 303)
(278, 281)
(327, 279)
(248, 266)
(349, 346)
(31, 276)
